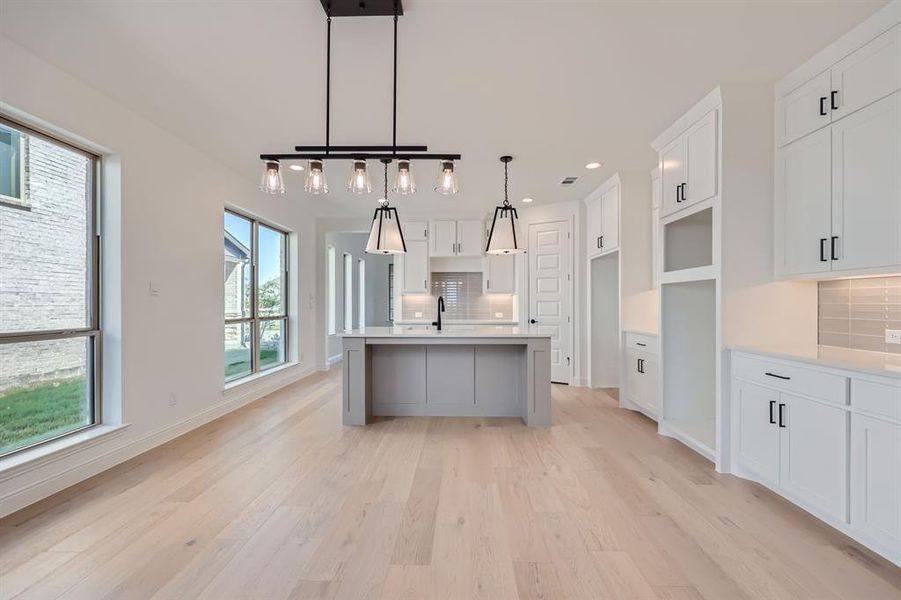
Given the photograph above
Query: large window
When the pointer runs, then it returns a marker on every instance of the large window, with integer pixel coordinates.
(49, 284)
(256, 296)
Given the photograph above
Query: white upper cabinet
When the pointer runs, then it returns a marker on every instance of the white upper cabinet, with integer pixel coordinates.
(455, 238)
(602, 213)
(838, 181)
(803, 110)
(610, 219)
(443, 238)
(866, 187)
(804, 204)
(469, 238)
(700, 161)
(864, 76)
(415, 267)
(689, 166)
(500, 274)
(416, 231)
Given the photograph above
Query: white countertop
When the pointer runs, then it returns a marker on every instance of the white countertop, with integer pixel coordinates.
(876, 363)
(457, 331)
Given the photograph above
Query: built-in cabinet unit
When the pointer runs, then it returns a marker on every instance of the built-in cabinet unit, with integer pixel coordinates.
(838, 138)
(602, 218)
(456, 238)
(640, 373)
(688, 165)
(828, 439)
(499, 274)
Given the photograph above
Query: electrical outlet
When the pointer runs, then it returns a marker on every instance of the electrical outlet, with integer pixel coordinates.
(418, 315)
(498, 315)
(893, 336)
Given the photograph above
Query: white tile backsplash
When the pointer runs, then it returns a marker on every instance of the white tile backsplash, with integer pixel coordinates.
(464, 300)
(854, 313)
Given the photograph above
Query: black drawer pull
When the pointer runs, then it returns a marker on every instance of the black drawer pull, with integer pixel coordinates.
(823, 250)
(768, 374)
(640, 344)
(772, 417)
(833, 101)
(781, 416)
(823, 106)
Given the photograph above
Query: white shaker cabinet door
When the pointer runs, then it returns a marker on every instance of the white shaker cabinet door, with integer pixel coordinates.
(415, 264)
(594, 227)
(443, 238)
(758, 433)
(701, 161)
(866, 75)
(814, 441)
(876, 479)
(804, 205)
(866, 187)
(804, 109)
(672, 163)
(610, 219)
(469, 238)
(500, 273)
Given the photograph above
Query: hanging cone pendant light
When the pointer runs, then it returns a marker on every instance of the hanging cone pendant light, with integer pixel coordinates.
(385, 233)
(504, 236)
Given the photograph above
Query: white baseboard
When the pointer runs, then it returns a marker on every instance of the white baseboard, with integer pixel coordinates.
(42, 488)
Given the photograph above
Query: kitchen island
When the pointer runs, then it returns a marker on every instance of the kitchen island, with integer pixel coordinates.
(478, 371)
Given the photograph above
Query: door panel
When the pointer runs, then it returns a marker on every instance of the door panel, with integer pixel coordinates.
(701, 161)
(672, 163)
(610, 220)
(876, 479)
(866, 186)
(868, 74)
(801, 111)
(814, 464)
(549, 292)
(469, 238)
(804, 204)
(443, 236)
(758, 437)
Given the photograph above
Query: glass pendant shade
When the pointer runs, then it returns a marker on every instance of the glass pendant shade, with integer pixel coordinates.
(404, 184)
(447, 180)
(504, 236)
(385, 234)
(315, 183)
(272, 182)
(359, 179)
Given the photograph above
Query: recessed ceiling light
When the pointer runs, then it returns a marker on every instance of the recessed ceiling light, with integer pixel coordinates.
(296, 167)
(593, 165)
(527, 200)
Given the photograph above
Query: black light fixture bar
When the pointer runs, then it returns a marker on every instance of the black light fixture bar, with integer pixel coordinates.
(359, 156)
(362, 8)
(361, 148)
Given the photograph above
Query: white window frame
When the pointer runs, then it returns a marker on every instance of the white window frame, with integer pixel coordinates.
(22, 201)
(331, 301)
(348, 291)
(361, 314)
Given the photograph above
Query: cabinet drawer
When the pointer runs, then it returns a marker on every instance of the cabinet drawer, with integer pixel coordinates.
(881, 399)
(792, 378)
(641, 342)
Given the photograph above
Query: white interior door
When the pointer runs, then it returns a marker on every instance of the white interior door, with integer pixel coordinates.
(550, 303)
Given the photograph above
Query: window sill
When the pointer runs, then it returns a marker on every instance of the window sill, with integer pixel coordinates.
(34, 458)
(237, 383)
(13, 202)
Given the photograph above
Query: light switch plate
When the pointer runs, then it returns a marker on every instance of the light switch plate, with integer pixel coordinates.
(893, 336)
(418, 315)
(498, 315)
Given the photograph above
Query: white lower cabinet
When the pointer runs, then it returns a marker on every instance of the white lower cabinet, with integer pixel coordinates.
(838, 456)
(876, 479)
(641, 372)
(813, 453)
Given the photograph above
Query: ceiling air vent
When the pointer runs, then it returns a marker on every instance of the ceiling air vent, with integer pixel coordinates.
(568, 181)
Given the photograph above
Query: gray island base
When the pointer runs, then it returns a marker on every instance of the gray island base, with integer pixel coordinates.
(462, 372)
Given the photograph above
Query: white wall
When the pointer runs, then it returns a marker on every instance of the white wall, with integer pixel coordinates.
(162, 226)
(639, 298)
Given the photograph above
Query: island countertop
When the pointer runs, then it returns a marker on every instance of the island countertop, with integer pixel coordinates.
(455, 332)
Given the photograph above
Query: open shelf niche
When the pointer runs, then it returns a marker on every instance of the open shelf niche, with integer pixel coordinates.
(688, 242)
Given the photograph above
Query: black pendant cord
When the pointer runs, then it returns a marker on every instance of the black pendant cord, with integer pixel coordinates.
(328, 78)
(394, 115)
(385, 205)
(506, 200)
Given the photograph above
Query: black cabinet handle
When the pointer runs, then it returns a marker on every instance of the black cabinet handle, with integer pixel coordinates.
(823, 106)
(598, 242)
(532, 321)
(602, 241)
(772, 417)
(834, 239)
(683, 192)
(823, 249)
(638, 366)
(832, 99)
(678, 193)
(781, 416)
(640, 344)
(768, 374)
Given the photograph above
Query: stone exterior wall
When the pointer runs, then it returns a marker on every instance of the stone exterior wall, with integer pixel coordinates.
(43, 270)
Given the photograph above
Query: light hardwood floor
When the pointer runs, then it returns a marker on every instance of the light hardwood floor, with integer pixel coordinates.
(278, 500)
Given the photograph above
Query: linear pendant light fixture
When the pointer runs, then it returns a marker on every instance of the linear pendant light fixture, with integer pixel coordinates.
(504, 236)
(385, 234)
(357, 155)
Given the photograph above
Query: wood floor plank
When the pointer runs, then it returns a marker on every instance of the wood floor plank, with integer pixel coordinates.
(279, 500)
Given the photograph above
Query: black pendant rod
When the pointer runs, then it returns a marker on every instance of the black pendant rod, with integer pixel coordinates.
(394, 115)
(416, 148)
(359, 156)
(328, 76)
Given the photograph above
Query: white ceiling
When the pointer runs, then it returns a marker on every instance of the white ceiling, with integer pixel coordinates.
(554, 83)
